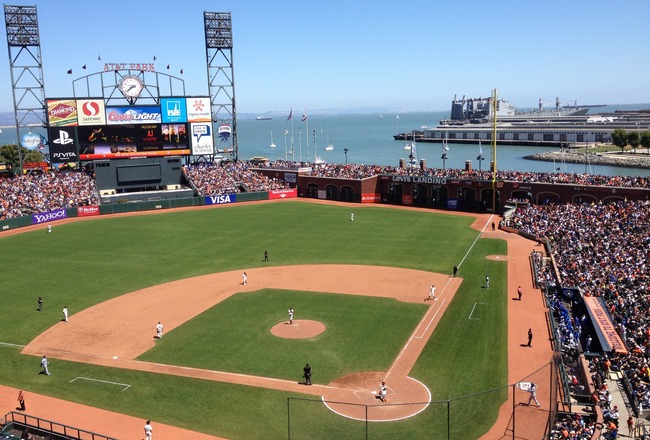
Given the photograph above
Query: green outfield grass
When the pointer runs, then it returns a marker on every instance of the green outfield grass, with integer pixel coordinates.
(83, 263)
(363, 334)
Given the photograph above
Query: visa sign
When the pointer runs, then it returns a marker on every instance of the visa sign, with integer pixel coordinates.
(220, 199)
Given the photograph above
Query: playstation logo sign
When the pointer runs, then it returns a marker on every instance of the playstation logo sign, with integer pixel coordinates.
(64, 138)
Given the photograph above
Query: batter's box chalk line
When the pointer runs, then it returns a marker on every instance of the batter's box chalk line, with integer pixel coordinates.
(125, 385)
(472, 312)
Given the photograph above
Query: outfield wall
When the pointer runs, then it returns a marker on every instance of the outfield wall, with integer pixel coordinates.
(404, 190)
(141, 206)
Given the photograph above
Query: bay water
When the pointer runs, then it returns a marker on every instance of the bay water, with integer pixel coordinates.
(368, 139)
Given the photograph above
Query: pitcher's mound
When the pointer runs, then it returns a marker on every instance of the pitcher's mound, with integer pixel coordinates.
(300, 329)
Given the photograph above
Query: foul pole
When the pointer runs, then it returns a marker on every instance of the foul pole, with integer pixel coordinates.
(494, 150)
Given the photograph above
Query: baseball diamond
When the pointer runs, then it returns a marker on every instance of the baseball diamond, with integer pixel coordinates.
(112, 333)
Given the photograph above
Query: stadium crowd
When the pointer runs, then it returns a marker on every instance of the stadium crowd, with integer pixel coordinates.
(360, 171)
(227, 178)
(573, 427)
(603, 250)
(34, 193)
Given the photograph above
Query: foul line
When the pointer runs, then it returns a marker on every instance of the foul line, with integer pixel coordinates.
(7, 344)
(125, 385)
(432, 319)
(472, 246)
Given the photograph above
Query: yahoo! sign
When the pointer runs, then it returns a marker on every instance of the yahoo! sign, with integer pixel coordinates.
(49, 216)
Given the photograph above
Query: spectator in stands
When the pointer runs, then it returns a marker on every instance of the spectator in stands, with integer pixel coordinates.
(601, 248)
(25, 195)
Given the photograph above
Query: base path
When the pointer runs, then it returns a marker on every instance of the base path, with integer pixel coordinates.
(92, 335)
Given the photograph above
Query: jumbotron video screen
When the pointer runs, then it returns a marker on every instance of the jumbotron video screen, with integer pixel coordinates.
(88, 129)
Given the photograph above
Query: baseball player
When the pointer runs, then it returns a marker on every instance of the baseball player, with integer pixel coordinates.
(159, 330)
(65, 313)
(383, 390)
(290, 316)
(244, 279)
(432, 294)
(148, 430)
(44, 364)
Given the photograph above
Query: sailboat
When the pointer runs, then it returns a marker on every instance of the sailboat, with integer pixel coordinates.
(328, 147)
(317, 159)
(272, 143)
(413, 157)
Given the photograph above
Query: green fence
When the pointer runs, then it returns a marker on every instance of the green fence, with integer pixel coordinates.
(150, 205)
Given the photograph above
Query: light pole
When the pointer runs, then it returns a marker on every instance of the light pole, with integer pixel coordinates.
(345, 150)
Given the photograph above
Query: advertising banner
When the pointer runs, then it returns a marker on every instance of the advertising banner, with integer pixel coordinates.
(407, 200)
(370, 198)
(173, 110)
(91, 111)
(452, 204)
(125, 141)
(202, 141)
(45, 217)
(605, 328)
(63, 146)
(220, 199)
(31, 141)
(283, 193)
(136, 114)
(199, 109)
(61, 112)
(87, 211)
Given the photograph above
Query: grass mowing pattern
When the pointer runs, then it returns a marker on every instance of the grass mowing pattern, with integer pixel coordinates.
(83, 263)
(363, 334)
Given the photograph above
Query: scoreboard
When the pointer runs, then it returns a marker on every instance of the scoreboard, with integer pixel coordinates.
(88, 129)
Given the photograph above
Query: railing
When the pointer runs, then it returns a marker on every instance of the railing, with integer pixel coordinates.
(58, 430)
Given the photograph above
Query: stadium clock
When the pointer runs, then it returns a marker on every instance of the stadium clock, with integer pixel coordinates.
(131, 86)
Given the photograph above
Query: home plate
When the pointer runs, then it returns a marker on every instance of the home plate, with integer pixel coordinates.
(114, 357)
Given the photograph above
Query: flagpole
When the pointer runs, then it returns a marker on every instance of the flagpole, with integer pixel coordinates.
(286, 157)
(307, 133)
(293, 148)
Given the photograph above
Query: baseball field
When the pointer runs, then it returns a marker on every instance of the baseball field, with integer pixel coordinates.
(364, 281)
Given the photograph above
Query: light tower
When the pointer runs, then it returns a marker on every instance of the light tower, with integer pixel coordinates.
(221, 80)
(26, 67)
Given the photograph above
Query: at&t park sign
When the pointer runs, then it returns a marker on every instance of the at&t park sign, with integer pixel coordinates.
(145, 67)
(420, 179)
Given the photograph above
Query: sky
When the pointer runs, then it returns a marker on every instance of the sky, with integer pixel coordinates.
(361, 55)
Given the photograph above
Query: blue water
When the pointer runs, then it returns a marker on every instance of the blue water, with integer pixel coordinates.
(369, 140)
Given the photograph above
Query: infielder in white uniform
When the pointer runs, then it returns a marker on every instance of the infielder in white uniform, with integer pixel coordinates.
(148, 430)
(432, 294)
(159, 329)
(290, 316)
